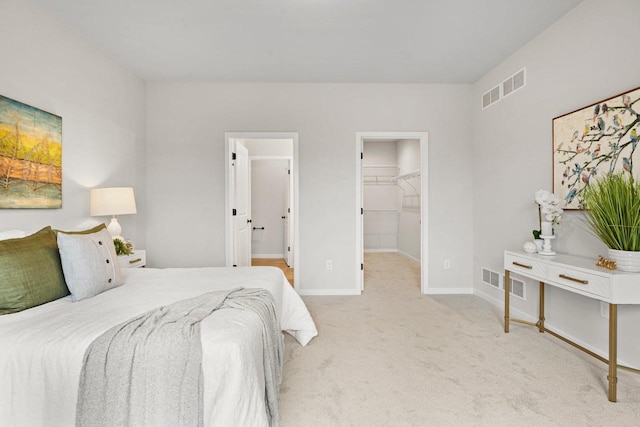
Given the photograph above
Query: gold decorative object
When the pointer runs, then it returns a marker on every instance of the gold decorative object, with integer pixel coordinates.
(606, 263)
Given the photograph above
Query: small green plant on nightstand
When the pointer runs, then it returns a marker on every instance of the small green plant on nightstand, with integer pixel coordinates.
(121, 247)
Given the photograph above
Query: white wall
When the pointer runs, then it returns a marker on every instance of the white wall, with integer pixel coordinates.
(190, 199)
(48, 66)
(409, 221)
(588, 55)
(380, 153)
(269, 181)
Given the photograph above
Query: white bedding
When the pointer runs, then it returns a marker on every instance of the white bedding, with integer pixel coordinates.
(41, 349)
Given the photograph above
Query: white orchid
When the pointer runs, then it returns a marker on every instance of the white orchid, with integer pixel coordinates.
(549, 206)
(552, 214)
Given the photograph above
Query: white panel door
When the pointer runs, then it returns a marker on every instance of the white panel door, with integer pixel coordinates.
(242, 198)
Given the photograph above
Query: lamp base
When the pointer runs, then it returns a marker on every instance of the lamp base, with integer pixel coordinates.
(114, 228)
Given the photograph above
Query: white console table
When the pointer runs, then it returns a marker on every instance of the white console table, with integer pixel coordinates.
(581, 276)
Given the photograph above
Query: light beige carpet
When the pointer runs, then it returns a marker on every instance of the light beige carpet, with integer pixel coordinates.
(394, 357)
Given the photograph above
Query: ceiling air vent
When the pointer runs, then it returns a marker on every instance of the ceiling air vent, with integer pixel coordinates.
(490, 97)
(514, 82)
(491, 278)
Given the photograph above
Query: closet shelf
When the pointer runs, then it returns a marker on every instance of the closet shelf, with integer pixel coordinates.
(387, 175)
(379, 174)
(407, 176)
(388, 180)
(410, 194)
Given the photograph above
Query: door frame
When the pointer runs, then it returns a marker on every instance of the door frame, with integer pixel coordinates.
(229, 137)
(423, 137)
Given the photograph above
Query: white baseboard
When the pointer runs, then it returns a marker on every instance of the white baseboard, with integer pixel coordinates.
(267, 256)
(379, 250)
(328, 292)
(449, 291)
(408, 256)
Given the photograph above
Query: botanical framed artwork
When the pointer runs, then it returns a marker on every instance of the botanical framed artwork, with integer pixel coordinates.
(30, 157)
(593, 141)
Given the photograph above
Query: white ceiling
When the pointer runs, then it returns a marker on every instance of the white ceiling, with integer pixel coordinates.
(372, 41)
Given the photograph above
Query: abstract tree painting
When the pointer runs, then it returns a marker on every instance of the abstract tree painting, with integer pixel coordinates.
(30, 157)
(592, 142)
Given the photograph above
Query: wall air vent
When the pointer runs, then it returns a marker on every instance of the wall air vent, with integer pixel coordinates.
(517, 288)
(491, 278)
(514, 82)
(491, 97)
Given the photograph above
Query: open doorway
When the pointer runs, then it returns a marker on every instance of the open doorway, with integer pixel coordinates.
(392, 202)
(262, 200)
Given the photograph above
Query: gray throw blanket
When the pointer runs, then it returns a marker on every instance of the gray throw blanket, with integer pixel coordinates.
(148, 371)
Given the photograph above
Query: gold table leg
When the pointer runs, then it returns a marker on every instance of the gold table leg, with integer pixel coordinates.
(506, 301)
(613, 352)
(541, 314)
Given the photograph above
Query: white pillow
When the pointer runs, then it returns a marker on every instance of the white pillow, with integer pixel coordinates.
(12, 234)
(89, 263)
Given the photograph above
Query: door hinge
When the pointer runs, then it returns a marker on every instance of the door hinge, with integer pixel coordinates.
(361, 211)
(362, 267)
(288, 248)
(288, 210)
(233, 212)
(361, 155)
(288, 171)
(233, 156)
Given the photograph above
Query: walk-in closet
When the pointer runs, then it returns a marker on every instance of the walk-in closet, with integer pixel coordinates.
(391, 193)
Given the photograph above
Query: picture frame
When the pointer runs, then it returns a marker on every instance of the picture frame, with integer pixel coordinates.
(30, 157)
(593, 141)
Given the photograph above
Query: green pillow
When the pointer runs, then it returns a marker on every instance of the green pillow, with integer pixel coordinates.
(30, 272)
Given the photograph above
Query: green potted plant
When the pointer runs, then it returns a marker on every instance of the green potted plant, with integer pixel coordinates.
(121, 247)
(612, 205)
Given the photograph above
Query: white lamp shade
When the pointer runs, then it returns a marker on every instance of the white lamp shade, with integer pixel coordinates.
(112, 201)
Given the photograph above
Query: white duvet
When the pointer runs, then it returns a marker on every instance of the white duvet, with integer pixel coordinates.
(41, 349)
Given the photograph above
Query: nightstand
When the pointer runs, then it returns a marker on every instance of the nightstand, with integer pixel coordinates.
(136, 260)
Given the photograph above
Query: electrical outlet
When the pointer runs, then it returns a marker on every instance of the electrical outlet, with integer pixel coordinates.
(447, 264)
(329, 264)
(604, 309)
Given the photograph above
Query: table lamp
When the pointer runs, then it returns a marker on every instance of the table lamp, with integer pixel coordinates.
(112, 201)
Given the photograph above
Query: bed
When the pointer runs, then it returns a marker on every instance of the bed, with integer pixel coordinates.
(42, 348)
